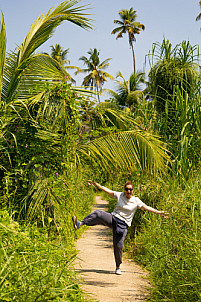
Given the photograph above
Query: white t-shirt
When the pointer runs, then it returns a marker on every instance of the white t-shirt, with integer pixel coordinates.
(126, 208)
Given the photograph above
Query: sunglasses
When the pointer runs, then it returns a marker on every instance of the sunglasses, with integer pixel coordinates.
(128, 189)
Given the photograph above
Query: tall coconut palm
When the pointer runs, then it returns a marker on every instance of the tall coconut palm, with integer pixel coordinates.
(96, 75)
(128, 24)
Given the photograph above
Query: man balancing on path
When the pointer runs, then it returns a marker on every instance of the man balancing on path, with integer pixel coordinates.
(120, 219)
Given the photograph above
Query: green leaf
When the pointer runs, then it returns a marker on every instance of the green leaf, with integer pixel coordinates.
(2, 50)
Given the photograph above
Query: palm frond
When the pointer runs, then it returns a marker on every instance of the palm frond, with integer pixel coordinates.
(41, 69)
(106, 75)
(110, 115)
(41, 30)
(43, 27)
(120, 29)
(119, 22)
(104, 64)
(107, 105)
(198, 17)
(127, 150)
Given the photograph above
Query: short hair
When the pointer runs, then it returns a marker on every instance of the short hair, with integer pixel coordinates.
(128, 183)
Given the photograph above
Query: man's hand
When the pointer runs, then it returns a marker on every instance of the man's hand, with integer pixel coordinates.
(104, 189)
(164, 214)
(91, 182)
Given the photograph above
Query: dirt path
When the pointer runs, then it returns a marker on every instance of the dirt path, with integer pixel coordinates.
(96, 265)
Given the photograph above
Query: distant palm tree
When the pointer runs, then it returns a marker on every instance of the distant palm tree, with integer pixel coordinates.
(59, 54)
(96, 75)
(60, 61)
(128, 25)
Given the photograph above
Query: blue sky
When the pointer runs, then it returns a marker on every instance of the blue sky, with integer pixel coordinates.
(174, 19)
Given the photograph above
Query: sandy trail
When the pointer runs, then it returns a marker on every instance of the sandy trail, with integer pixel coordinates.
(96, 265)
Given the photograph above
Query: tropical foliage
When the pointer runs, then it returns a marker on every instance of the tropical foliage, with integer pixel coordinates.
(128, 24)
(169, 249)
(43, 155)
(54, 136)
(33, 267)
(129, 93)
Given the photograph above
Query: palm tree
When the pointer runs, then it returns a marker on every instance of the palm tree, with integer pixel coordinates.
(59, 54)
(128, 24)
(96, 75)
(129, 93)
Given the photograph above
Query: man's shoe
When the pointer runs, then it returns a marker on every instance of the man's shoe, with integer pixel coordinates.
(76, 223)
(118, 271)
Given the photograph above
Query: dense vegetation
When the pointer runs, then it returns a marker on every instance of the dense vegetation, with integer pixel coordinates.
(54, 136)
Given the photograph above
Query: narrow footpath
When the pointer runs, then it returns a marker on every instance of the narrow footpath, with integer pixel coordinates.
(96, 266)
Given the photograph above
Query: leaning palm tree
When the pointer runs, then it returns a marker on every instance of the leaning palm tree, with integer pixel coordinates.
(96, 76)
(128, 24)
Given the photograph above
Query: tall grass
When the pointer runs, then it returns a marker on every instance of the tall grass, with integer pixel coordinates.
(179, 126)
(34, 268)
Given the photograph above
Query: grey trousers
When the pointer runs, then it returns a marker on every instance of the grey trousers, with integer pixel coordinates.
(99, 217)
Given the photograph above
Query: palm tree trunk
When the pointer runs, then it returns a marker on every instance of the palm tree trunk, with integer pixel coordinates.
(133, 56)
(98, 94)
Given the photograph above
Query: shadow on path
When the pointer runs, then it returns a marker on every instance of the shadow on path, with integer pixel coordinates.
(97, 271)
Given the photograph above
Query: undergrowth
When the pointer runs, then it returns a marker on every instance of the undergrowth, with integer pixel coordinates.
(37, 257)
